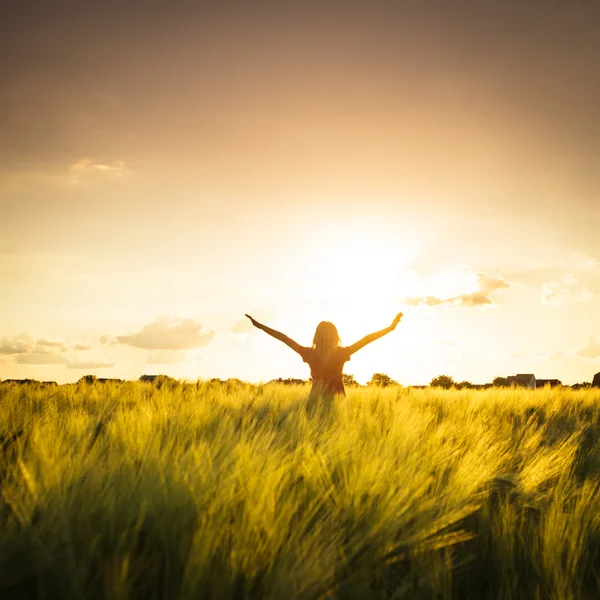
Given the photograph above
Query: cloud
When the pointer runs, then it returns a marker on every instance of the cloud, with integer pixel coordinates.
(25, 350)
(485, 285)
(166, 357)
(568, 289)
(579, 260)
(49, 345)
(538, 356)
(37, 358)
(25, 344)
(55, 359)
(85, 169)
(88, 365)
(591, 350)
(167, 333)
(18, 344)
(424, 301)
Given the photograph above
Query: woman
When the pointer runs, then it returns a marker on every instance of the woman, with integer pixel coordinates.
(326, 357)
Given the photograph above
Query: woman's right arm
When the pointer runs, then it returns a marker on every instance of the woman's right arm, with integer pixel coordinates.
(374, 336)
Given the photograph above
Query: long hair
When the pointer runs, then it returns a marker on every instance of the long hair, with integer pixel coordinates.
(326, 338)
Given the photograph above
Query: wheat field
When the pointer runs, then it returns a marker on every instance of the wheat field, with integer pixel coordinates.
(232, 491)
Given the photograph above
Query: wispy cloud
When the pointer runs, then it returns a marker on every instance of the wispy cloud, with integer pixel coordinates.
(41, 359)
(53, 346)
(18, 344)
(167, 333)
(591, 350)
(86, 168)
(26, 350)
(57, 359)
(91, 365)
(82, 347)
(581, 263)
(540, 355)
(566, 289)
(579, 260)
(485, 285)
(25, 344)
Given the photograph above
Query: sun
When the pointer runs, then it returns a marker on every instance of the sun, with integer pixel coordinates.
(355, 278)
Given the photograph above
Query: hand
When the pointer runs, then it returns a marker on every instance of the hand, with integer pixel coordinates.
(254, 321)
(395, 321)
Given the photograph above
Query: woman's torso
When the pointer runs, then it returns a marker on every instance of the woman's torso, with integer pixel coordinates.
(326, 371)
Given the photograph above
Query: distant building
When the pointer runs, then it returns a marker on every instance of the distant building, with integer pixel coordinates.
(550, 382)
(596, 380)
(108, 380)
(21, 381)
(522, 380)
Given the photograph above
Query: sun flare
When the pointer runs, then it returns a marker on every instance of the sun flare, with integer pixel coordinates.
(356, 279)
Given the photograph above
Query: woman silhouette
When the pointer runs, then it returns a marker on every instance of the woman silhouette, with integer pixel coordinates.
(326, 357)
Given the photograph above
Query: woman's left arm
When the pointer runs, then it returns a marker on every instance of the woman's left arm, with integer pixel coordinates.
(295, 346)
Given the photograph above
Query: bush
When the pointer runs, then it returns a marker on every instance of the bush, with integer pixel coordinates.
(348, 380)
(381, 380)
(442, 381)
(464, 385)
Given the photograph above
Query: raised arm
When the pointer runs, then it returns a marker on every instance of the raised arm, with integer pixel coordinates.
(374, 336)
(295, 346)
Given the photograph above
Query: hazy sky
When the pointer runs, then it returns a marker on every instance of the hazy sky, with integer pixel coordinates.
(166, 168)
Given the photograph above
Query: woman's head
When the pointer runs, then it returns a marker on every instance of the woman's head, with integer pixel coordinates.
(326, 338)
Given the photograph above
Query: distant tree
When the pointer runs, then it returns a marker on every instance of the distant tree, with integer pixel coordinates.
(161, 381)
(581, 386)
(288, 381)
(500, 382)
(348, 380)
(464, 385)
(442, 381)
(164, 381)
(89, 379)
(381, 380)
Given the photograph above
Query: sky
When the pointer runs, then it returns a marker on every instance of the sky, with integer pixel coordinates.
(167, 167)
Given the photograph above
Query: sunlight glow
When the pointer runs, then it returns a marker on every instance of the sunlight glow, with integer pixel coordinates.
(354, 279)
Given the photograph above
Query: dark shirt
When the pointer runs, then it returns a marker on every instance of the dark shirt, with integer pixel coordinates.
(326, 372)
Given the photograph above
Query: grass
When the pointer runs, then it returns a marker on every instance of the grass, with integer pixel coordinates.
(212, 490)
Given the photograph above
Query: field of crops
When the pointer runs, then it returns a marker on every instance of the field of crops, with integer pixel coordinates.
(214, 490)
